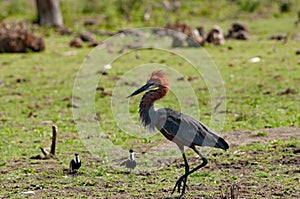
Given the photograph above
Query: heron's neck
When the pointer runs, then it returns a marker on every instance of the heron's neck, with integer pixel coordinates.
(147, 112)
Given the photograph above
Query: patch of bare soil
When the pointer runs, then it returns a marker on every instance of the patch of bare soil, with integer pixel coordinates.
(250, 173)
(244, 137)
(253, 170)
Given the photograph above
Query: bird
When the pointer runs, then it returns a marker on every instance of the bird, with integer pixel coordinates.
(182, 129)
(130, 163)
(75, 163)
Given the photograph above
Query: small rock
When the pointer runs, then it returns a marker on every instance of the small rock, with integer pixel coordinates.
(241, 35)
(93, 44)
(73, 105)
(254, 60)
(192, 42)
(87, 36)
(27, 192)
(104, 73)
(239, 26)
(63, 31)
(100, 88)
(297, 52)
(178, 39)
(197, 38)
(180, 78)
(216, 36)
(104, 94)
(76, 42)
(21, 80)
(201, 31)
(108, 66)
(238, 31)
(278, 37)
(287, 91)
(191, 78)
(90, 22)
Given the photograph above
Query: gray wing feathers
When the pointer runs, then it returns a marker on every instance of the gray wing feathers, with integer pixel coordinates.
(188, 129)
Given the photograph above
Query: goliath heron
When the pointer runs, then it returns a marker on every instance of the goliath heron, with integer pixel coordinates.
(75, 163)
(177, 127)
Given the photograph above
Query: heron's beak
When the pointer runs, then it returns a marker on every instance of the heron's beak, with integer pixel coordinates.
(147, 86)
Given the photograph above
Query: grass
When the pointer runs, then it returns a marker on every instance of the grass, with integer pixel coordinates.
(118, 13)
(37, 92)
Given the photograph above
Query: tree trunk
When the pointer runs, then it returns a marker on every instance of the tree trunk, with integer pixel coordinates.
(49, 13)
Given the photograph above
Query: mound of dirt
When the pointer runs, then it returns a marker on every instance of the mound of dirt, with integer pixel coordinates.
(16, 37)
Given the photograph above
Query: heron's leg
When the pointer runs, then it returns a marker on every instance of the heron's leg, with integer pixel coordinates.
(187, 169)
(183, 177)
(203, 159)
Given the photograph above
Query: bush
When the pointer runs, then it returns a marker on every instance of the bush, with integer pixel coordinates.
(285, 6)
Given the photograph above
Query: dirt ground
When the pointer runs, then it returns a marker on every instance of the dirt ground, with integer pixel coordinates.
(247, 166)
(244, 137)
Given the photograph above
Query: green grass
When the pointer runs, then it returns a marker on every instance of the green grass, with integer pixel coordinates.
(114, 14)
(37, 90)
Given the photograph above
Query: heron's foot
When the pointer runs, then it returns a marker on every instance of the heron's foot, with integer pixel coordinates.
(178, 185)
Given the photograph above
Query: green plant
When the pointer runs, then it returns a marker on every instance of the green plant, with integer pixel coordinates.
(248, 5)
(285, 6)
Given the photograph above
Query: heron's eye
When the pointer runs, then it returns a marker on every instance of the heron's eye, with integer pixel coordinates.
(154, 85)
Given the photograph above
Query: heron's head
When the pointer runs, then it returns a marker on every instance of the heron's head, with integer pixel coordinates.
(157, 80)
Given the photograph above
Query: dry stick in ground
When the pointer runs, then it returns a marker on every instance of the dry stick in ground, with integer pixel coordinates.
(47, 154)
(231, 192)
(44, 151)
(53, 145)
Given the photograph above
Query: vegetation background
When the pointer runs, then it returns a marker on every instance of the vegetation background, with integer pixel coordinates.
(262, 119)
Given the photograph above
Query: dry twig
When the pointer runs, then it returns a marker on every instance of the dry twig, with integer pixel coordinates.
(45, 151)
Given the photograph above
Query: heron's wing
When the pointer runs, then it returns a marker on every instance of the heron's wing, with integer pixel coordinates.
(188, 130)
